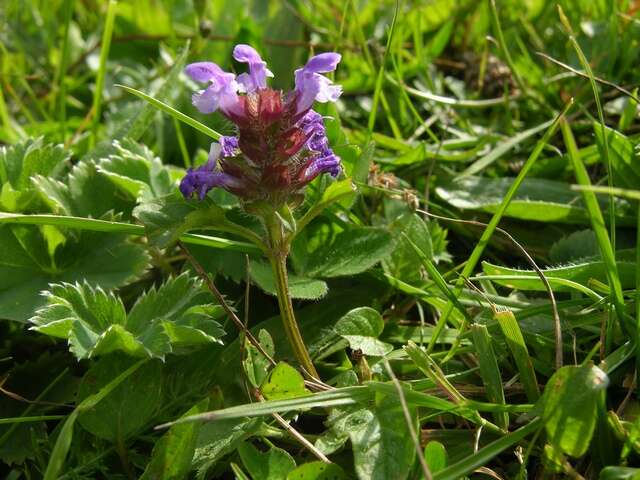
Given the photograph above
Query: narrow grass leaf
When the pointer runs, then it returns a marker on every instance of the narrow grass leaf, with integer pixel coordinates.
(515, 341)
(489, 371)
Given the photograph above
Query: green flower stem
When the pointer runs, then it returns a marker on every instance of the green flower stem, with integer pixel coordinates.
(279, 244)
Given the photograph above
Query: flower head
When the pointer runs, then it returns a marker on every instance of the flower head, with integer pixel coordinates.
(281, 144)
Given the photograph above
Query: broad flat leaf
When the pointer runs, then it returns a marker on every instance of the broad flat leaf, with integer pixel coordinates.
(129, 407)
(570, 407)
(137, 171)
(353, 251)
(317, 471)
(360, 327)
(283, 381)
(436, 456)
(273, 464)
(168, 217)
(172, 454)
(579, 272)
(625, 161)
(217, 439)
(382, 446)
(85, 193)
(256, 366)
(537, 199)
(575, 246)
(26, 267)
(403, 262)
(619, 473)
(300, 287)
(95, 322)
(20, 162)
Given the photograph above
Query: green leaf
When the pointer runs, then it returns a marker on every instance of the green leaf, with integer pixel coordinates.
(382, 446)
(129, 407)
(623, 156)
(360, 327)
(335, 192)
(316, 471)
(283, 382)
(136, 171)
(489, 371)
(619, 473)
(26, 267)
(168, 217)
(537, 199)
(256, 366)
(86, 193)
(570, 407)
(579, 272)
(575, 246)
(353, 251)
(480, 458)
(95, 322)
(63, 442)
(172, 454)
(403, 262)
(217, 439)
(173, 112)
(273, 464)
(436, 456)
(518, 347)
(299, 287)
(20, 162)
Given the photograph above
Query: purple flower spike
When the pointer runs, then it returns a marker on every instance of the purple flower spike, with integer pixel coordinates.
(206, 177)
(258, 71)
(311, 86)
(220, 94)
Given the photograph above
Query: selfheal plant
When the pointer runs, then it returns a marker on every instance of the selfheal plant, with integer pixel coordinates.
(280, 147)
(281, 143)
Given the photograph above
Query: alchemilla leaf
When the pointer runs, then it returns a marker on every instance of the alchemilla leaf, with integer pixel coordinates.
(95, 321)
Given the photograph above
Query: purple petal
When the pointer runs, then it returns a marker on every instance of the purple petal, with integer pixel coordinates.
(221, 93)
(323, 63)
(258, 71)
(207, 101)
(311, 86)
(203, 71)
(228, 146)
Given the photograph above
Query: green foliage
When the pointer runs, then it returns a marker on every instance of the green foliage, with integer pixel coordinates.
(570, 402)
(448, 115)
(95, 322)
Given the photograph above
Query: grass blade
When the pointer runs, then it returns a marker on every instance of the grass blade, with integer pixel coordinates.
(96, 225)
(597, 223)
(489, 371)
(476, 254)
(515, 341)
(481, 457)
(102, 69)
(173, 112)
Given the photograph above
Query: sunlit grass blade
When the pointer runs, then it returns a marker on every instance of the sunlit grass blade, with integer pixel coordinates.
(476, 254)
(605, 141)
(468, 464)
(518, 347)
(102, 69)
(597, 222)
(120, 227)
(503, 148)
(173, 112)
(489, 371)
